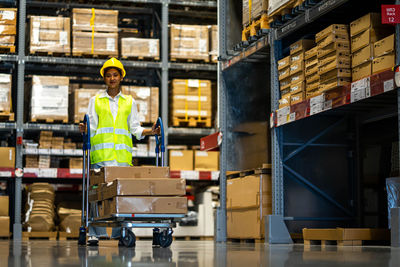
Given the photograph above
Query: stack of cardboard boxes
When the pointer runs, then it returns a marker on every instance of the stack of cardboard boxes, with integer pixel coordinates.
(214, 43)
(252, 10)
(104, 38)
(311, 71)
(188, 160)
(49, 34)
(70, 220)
(284, 81)
(140, 48)
(191, 99)
(147, 101)
(137, 190)
(364, 32)
(4, 217)
(248, 201)
(8, 29)
(334, 62)
(49, 98)
(297, 70)
(75, 163)
(39, 216)
(79, 99)
(189, 42)
(384, 56)
(45, 142)
(5, 93)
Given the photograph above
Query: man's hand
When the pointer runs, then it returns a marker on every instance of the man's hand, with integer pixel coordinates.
(82, 128)
(155, 130)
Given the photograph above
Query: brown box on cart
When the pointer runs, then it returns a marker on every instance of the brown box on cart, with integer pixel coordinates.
(4, 226)
(144, 187)
(145, 205)
(104, 20)
(109, 174)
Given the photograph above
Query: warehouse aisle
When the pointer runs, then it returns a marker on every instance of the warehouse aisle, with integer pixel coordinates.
(191, 253)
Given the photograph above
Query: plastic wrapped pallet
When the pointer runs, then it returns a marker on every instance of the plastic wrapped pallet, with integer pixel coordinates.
(214, 43)
(103, 43)
(147, 101)
(275, 5)
(8, 16)
(104, 20)
(80, 103)
(49, 98)
(5, 93)
(140, 47)
(8, 21)
(39, 216)
(50, 34)
(189, 42)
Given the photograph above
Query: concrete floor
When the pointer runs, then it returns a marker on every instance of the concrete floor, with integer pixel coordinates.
(191, 253)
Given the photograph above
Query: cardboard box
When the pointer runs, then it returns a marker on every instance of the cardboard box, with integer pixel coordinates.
(361, 56)
(333, 47)
(332, 29)
(285, 92)
(5, 93)
(312, 78)
(283, 63)
(297, 57)
(312, 71)
(140, 47)
(80, 102)
(296, 78)
(4, 203)
(4, 226)
(328, 59)
(7, 156)
(103, 43)
(311, 87)
(109, 174)
(297, 87)
(144, 187)
(283, 73)
(189, 42)
(104, 20)
(333, 38)
(297, 98)
(361, 71)
(181, 160)
(335, 73)
(213, 43)
(310, 63)
(75, 163)
(206, 160)
(365, 38)
(145, 205)
(301, 45)
(339, 63)
(333, 83)
(370, 20)
(7, 40)
(258, 8)
(284, 101)
(384, 46)
(71, 224)
(191, 87)
(311, 53)
(285, 84)
(296, 67)
(383, 63)
(191, 102)
(246, 12)
(246, 223)
(8, 29)
(147, 101)
(8, 16)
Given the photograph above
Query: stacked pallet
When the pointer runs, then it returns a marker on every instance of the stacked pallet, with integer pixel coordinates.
(284, 81)
(49, 98)
(79, 100)
(4, 217)
(147, 101)
(364, 32)
(49, 35)
(140, 48)
(8, 29)
(311, 72)
(5, 97)
(254, 18)
(191, 103)
(189, 42)
(334, 62)
(39, 216)
(94, 32)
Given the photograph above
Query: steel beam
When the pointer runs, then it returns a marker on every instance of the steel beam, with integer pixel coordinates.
(164, 71)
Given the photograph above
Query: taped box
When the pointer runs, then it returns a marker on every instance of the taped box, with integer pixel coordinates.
(189, 42)
(147, 101)
(49, 98)
(5, 93)
(140, 48)
(104, 20)
(49, 34)
(103, 43)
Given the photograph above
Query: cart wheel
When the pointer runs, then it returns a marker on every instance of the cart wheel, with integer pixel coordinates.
(82, 236)
(165, 239)
(129, 240)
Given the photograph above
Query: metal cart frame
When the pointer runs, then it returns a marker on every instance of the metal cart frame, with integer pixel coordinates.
(162, 224)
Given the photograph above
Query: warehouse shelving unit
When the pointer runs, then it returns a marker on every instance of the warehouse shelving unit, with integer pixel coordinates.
(317, 160)
(160, 10)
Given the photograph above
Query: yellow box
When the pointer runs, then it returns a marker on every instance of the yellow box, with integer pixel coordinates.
(361, 71)
(383, 63)
(384, 46)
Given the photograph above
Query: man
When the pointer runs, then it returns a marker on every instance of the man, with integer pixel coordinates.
(113, 120)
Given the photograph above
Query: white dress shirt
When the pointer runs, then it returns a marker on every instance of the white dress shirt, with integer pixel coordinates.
(133, 122)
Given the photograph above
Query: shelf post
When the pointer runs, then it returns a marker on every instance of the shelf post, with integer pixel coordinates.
(17, 227)
(164, 71)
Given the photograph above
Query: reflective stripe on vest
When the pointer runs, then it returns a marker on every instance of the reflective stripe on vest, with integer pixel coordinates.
(112, 140)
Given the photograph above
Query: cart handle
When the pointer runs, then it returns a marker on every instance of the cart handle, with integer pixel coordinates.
(86, 135)
(160, 141)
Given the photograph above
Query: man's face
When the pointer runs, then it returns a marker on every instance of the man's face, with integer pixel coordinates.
(112, 78)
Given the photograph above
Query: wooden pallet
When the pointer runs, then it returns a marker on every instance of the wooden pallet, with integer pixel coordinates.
(191, 122)
(6, 116)
(50, 54)
(265, 169)
(7, 48)
(63, 236)
(191, 238)
(256, 29)
(141, 58)
(344, 236)
(90, 55)
(49, 120)
(39, 235)
(205, 59)
(246, 240)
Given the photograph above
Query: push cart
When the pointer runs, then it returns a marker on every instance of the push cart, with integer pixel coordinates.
(162, 224)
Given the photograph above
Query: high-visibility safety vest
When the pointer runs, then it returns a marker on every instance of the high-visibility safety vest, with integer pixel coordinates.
(112, 140)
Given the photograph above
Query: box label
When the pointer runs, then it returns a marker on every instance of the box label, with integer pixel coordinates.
(388, 85)
(63, 38)
(360, 90)
(316, 108)
(282, 115)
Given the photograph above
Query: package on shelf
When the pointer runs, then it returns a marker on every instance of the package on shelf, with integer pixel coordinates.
(213, 43)
(384, 62)
(39, 215)
(370, 20)
(44, 161)
(384, 46)
(104, 20)
(31, 161)
(181, 160)
(140, 47)
(301, 45)
(8, 29)
(8, 25)
(7, 155)
(189, 42)
(57, 142)
(253, 9)
(49, 98)
(284, 73)
(70, 219)
(284, 63)
(8, 16)
(69, 145)
(7, 40)
(4, 203)
(80, 102)
(285, 84)
(5, 93)
(367, 37)
(244, 209)
(297, 87)
(49, 34)
(4, 226)
(206, 160)
(384, 56)
(297, 97)
(104, 43)
(147, 101)
(284, 101)
(129, 33)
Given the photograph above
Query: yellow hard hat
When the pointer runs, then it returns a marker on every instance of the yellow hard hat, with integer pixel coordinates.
(113, 63)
